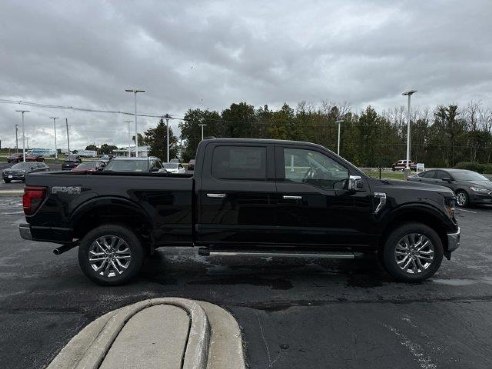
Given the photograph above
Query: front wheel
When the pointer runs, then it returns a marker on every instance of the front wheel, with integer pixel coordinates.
(111, 255)
(413, 252)
(462, 199)
(6, 180)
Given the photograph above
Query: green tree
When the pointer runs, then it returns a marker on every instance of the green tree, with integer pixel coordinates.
(238, 120)
(156, 138)
(191, 132)
(107, 149)
(91, 147)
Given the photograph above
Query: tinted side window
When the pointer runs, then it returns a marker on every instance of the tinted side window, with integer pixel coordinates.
(429, 174)
(441, 174)
(239, 162)
(307, 166)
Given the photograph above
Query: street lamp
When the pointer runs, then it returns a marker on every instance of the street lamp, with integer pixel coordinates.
(202, 125)
(409, 94)
(167, 116)
(23, 134)
(54, 127)
(338, 142)
(136, 128)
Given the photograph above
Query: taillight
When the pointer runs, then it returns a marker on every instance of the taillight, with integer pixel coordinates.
(33, 197)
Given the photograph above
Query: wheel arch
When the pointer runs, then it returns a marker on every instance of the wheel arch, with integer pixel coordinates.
(112, 210)
(423, 215)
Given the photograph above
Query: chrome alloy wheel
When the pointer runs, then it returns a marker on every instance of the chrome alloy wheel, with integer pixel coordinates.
(109, 256)
(414, 253)
(461, 198)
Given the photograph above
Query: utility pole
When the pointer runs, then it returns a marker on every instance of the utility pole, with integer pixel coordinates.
(129, 137)
(338, 142)
(23, 134)
(54, 127)
(68, 136)
(16, 139)
(202, 125)
(409, 94)
(136, 127)
(167, 116)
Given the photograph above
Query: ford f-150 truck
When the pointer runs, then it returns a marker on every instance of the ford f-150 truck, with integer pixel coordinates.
(245, 196)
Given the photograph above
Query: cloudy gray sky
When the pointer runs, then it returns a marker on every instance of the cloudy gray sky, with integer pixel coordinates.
(209, 54)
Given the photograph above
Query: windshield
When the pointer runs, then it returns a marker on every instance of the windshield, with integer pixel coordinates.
(170, 166)
(468, 176)
(22, 166)
(128, 166)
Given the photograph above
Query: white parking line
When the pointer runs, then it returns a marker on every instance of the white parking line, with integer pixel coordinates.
(467, 211)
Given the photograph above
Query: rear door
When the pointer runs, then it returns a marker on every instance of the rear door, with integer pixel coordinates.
(314, 206)
(234, 194)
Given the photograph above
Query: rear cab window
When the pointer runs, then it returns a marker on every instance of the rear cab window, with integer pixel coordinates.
(239, 162)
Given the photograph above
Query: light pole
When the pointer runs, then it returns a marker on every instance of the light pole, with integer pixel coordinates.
(167, 116)
(16, 139)
(129, 137)
(68, 137)
(54, 127)
(136, 127)
(202, 125)
(409, 94)
(23, 134)
(338, 142)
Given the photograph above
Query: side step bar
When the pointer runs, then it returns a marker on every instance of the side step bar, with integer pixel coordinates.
(283, 254)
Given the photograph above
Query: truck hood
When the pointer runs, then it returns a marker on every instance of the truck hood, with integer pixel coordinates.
(390, 185)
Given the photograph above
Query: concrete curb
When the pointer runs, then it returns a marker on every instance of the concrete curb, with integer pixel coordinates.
(88, 349)
(213, 341)
(11, 192)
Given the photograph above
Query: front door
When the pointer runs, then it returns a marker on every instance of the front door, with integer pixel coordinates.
(314, 206)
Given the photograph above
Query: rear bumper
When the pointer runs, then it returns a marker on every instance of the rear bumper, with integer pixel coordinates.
(454, 240)
(46, 234)
(25, 231)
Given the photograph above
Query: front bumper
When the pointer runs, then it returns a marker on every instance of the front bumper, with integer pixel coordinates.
(454, 240)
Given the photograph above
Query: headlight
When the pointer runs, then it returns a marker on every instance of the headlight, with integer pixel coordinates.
(480, 189)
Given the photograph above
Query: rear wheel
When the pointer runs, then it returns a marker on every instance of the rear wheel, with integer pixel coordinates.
(413, 252)
(462, 199)
(111, 255)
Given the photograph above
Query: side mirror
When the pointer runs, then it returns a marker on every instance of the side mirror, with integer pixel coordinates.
(355, 183)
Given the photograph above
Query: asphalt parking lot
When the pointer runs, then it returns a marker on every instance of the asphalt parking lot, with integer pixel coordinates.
(294, 312)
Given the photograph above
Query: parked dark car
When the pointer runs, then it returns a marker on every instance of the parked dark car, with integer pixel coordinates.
(470, 187)
(245, 196)
(90, 166)
(20, 170)
(34, 157)
(15, 158)
(71, 161)
(125, 164)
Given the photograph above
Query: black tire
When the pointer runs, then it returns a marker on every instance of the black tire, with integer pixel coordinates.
(126, 256)
(6, 180)
(462, 199)
(394, 252)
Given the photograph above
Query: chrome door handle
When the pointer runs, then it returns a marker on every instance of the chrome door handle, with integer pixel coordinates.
(216, 195)
(290, 197)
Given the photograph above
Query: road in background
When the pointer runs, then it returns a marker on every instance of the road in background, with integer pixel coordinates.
(294, 312)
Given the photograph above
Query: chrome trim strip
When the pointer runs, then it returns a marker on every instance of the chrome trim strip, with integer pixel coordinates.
(382, 201)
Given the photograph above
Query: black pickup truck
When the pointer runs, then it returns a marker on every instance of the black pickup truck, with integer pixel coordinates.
(245, 196)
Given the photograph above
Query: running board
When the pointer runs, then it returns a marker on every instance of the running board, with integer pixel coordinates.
(283, 254)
